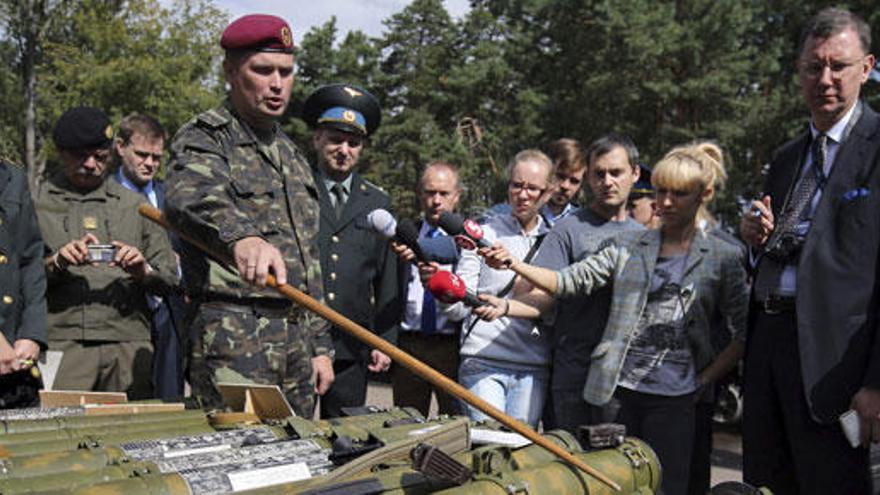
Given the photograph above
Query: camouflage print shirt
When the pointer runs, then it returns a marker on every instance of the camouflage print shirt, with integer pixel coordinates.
(224, 184)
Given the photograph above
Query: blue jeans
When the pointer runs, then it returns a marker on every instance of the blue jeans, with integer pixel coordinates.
(518, 392)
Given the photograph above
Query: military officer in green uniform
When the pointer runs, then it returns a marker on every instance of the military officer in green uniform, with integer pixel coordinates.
(22, 290)
(102, 259)
(360, 271)
(237, 183)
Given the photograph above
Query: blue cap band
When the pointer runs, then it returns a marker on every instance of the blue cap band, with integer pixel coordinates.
(343, 115)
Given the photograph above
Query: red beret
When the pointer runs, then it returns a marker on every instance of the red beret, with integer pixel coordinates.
(259, 32)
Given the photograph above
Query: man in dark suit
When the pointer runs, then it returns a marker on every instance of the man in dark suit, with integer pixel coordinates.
(138, 149)
(359, 270)
(813, 351)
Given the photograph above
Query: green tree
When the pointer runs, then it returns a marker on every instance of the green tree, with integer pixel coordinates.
(137, 56)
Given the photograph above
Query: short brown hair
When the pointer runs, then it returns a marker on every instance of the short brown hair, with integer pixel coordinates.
(138, 123)
(567, 155)
(831, 21)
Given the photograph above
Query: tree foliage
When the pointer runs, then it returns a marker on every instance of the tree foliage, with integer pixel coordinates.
(509, 75)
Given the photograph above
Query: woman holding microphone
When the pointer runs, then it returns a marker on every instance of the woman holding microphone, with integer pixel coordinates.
(656, 353)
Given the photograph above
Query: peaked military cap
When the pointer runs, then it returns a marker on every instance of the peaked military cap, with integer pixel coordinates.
(258, 32)
(344, 107)
(81, 128)
(643, 186)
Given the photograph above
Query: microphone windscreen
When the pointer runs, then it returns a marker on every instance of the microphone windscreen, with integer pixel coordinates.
(441, 249)
(451, 223)
(447, 287)
(407, 233)
(382, 223)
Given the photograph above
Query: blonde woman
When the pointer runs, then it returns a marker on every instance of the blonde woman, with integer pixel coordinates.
(656, 354)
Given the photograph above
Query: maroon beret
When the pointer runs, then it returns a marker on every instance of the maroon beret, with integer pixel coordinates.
(258, 32)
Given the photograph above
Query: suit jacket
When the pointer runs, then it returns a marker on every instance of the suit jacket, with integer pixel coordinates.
(837, 279)
(359, 269)
(22, 276)
(713, 281)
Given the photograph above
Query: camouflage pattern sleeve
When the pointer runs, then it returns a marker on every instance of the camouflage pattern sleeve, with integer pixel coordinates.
(198, 200)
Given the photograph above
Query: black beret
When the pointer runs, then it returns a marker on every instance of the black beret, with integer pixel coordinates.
(344, 107)
(82, 128)
(259, 32)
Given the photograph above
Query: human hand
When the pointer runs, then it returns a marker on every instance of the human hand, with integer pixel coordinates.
(497, 257)
(322, 373)
(403, 251)
(866, 403)
(380, 361)
(27, 349)
(496, 308)
(757, 223)
(9, 361)
(254, 257)
(75, 252)
(130, 259)
(427, 270)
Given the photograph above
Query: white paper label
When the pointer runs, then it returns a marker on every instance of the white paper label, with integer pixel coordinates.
(482, 437)
(258, 478)
(171, 454)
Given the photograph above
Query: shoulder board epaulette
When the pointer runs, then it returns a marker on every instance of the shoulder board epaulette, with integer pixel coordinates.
(212, 118)
(374, 186)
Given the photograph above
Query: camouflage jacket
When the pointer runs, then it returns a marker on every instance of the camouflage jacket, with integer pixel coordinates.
(224, 185)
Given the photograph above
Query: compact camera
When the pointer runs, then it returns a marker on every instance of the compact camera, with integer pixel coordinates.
(101, 253)
(787, 249)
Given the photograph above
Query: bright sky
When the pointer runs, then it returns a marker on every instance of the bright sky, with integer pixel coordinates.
(365, 15)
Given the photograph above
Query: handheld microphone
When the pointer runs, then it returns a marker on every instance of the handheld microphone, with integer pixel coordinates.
(441, 249)
(449, 288)
(455, 225)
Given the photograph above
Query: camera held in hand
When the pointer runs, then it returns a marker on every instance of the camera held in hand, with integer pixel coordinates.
(101, 253)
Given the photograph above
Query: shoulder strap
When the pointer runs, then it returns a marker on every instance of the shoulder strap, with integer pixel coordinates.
(507, 288)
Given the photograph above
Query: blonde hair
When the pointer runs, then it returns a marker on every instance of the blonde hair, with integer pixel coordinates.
(533, 155)
(696, 166)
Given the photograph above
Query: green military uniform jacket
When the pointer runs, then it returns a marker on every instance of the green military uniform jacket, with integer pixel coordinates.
(225, 185)
(22, 278)
(102, 302)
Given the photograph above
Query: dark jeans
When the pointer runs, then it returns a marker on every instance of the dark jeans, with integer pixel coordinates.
(439, 351)
(349, 389)
(667, 425)
(571, 411)
(784, 449)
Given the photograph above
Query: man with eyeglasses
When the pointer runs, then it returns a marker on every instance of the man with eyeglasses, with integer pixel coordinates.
(102, 260)
(813, 350)
(137, 152)
(506, 361)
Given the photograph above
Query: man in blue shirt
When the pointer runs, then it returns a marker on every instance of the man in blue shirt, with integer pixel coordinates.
(138, 149)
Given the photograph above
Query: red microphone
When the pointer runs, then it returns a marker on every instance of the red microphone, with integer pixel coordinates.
(449, 288)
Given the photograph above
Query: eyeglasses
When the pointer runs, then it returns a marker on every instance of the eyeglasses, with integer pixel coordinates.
(532, 190)
(816, 68)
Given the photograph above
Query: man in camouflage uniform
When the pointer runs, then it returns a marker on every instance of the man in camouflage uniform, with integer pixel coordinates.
(239, 185)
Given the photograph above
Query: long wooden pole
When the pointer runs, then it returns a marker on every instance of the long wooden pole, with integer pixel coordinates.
(398, 356)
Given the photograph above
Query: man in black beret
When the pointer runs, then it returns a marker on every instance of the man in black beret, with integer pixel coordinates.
(101, 259)
(240, 185)
(360, 271)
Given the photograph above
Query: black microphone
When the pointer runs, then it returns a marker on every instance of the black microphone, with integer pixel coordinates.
(441, 249)
(455, 225)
